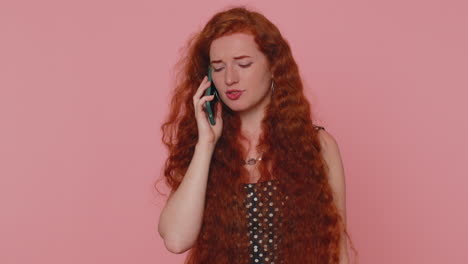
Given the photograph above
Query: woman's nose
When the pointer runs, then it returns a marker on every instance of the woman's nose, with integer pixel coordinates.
(231, 76)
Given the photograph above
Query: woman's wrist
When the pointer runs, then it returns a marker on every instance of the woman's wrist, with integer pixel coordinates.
(205, 145)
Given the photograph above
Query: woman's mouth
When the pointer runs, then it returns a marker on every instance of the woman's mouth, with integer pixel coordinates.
(234, 94)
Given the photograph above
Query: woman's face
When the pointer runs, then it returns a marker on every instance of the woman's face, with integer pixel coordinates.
(240, 72)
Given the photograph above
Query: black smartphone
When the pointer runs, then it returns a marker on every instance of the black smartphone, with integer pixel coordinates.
(210, 105)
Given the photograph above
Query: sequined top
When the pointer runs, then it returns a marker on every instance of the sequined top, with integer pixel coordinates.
(263, 215)
(263, 210)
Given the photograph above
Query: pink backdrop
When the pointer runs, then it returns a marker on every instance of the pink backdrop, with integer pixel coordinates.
(84, 88)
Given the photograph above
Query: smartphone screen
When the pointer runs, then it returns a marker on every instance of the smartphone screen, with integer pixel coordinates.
(210, 105)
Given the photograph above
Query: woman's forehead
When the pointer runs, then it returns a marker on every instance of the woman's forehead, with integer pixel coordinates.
(234, 46)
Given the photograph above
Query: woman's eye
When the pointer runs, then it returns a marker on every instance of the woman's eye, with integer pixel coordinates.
(242, 65)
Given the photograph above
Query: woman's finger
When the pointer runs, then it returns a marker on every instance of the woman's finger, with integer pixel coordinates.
(201, 89)
(201, 102)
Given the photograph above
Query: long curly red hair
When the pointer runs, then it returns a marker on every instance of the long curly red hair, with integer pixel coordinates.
(310, 226)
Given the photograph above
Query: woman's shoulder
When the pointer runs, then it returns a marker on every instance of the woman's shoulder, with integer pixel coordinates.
(326, 139)
(323, 135)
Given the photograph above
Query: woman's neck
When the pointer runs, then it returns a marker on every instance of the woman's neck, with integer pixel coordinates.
(251, 125)
(251, 129)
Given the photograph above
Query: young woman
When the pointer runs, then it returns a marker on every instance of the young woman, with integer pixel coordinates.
(264, 184)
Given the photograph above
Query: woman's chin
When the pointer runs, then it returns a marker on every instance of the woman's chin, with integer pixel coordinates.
(236, 107)
(239, 108)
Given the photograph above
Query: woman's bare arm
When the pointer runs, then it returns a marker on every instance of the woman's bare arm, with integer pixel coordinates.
(181, 218)
(332, 156)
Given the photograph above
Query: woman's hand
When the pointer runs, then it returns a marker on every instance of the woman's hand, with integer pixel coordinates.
(207, 133)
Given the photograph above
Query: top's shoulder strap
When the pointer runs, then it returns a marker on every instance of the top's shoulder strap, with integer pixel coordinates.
(318, 127)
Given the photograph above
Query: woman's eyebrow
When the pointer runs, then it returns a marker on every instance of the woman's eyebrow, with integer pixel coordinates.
(236, 58)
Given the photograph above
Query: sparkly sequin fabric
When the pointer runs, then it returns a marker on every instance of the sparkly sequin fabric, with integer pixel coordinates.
(263, 210)
(264, 214)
